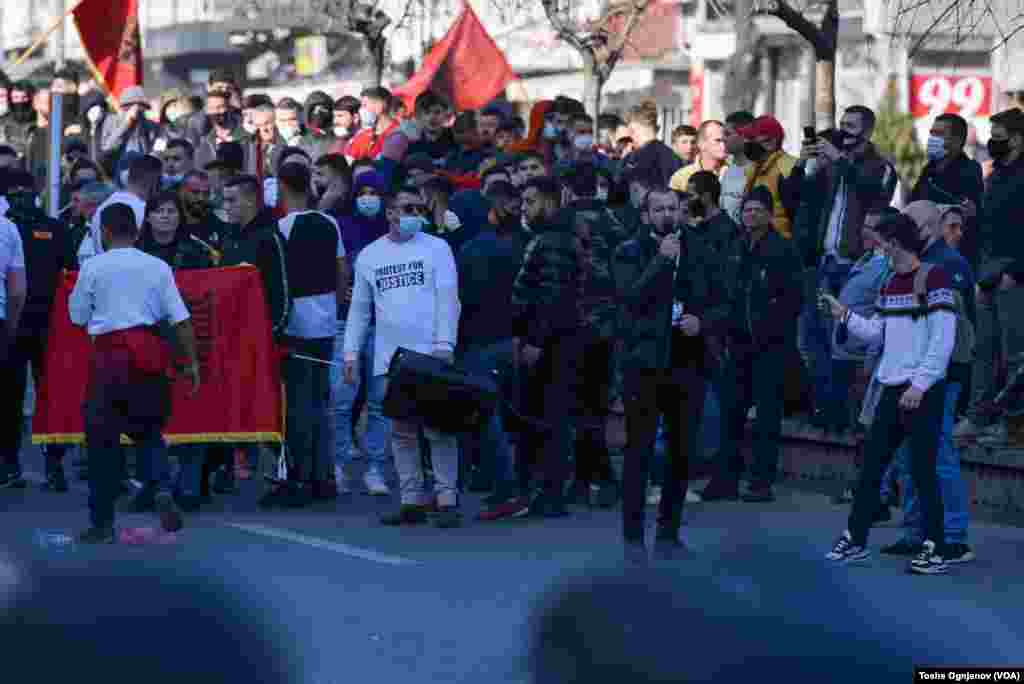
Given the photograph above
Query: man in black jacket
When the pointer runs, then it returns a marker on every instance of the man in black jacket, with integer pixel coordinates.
(951, 177)
(765, 307)
(45, 244)
(672, 295)
(547, 317)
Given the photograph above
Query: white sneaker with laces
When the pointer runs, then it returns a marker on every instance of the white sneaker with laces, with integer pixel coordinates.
(845, 551)
(928, 562)
(966, 429)
(693, 497)
(375, 484)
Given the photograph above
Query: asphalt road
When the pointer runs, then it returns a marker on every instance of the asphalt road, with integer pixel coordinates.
(422, 605)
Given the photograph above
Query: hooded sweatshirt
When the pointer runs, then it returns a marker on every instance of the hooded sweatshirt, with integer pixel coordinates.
(357, 230)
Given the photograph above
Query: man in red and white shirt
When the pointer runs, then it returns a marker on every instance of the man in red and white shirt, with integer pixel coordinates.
(120, 297)
(379, 123)
(918, 331)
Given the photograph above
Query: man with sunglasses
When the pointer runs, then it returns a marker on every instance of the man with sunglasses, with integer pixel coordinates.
(408, 279)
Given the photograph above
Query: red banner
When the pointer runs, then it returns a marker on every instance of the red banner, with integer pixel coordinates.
(466, 67)
(240, 397)
(109, 32)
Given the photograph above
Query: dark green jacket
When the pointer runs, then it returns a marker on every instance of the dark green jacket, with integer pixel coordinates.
(769, 293)
(548, 290)
(260, 244)
(600, 232)
(648, 284)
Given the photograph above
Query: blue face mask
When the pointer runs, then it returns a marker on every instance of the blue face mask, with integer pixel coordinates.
(408, 226)
(368, 205)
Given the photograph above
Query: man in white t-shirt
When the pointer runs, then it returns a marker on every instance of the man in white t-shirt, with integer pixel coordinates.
(144, 177)
(408, 279)
(734, 180)
(120, 297)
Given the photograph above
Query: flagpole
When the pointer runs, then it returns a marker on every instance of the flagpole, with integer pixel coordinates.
(41, 40)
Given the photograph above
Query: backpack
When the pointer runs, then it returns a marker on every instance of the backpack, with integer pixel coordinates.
(963, 348)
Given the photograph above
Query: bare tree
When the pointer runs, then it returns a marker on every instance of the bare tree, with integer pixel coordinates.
(600, 43)
(743, 74)
(824, 38)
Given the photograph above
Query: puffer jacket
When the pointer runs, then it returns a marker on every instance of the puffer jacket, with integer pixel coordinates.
(769, 293)
(548, 291)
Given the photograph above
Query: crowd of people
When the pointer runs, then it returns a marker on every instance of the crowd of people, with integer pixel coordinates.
(588, 265)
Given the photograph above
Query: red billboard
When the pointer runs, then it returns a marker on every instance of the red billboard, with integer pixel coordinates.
(932, 94)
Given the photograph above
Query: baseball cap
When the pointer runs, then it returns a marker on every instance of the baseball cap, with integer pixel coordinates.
(763, 127)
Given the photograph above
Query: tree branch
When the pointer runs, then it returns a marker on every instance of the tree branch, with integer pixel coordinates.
(563, 30)
(618, 44)
(824, 46)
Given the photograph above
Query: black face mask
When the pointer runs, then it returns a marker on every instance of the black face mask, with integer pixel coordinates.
(697, 208)
(851, 141)
(22, 112)
(321, 119)
(999, 149)
(753, 151)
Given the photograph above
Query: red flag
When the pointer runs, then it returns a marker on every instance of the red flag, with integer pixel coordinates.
(240, 396)
(466, 67)
(109, 32)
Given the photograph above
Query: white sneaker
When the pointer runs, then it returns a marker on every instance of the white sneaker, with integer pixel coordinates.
(965, 429)
(375, 484)
(342, 481)
(693, 497)
(752, 413)
(654, 496)
(997, 434)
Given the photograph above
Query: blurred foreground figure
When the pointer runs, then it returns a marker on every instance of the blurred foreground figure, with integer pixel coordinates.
(126, 623)
(784, 621)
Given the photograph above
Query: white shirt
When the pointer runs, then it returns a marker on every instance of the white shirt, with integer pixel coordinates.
(734, 182)
(93, 242)
(313, 317)
(413, 288)
(125, 288)
(12, 258)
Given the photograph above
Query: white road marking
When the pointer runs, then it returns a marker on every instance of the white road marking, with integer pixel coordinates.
(353, 551)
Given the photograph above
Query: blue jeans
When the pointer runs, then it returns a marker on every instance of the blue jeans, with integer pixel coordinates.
(954, 493)
(815, 343)
(496, 455)
(343, 397)
(190, 467)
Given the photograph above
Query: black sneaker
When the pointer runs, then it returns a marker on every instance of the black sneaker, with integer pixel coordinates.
(845, 551)
(12, 479)
(97, 535)
(56, 481)
(904, 547)
(447, 517)
(635, 554)
(720, 490)
(188, 504)
(959, 553)
(407, 514)
(668, 547)
(928, 561)
(224, 481)
(299, 495)
(273, 497)
(170, 516)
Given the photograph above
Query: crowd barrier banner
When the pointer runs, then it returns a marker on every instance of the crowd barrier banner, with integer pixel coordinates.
(240, 399)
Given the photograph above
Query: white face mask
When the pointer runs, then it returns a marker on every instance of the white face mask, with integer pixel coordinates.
(368, 205)
(289, 133)
(583, 142)
(936, 148)
(94, 114)
(550, 131)
(249, 127)
(368, 118)
(602, 194)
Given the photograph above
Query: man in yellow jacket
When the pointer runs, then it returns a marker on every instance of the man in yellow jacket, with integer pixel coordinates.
(770, 165)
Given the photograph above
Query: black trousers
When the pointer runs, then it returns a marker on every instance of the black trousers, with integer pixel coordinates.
(679, 396)
(550, 391)
(593, 462)
(28, 346)
(120, 400)
(890, 427)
